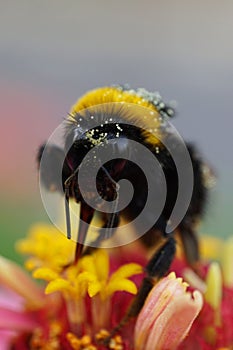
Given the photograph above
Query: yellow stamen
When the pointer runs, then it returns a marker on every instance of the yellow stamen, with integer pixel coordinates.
(210, 247)
(46, 247)
(194, 280)
(227, 262)
(213, 294)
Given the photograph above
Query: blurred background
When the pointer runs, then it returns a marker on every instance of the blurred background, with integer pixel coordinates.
(53, 51)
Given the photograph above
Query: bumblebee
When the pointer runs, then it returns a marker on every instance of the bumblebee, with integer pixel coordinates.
(111, 109)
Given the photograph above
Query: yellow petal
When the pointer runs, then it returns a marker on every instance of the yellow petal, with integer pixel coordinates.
(102, 264)
(59, 284)
(87, 264)
(126, 271)
(83, 283)
(45, 273)
(86, 277)
(94, 288)
(120, 285)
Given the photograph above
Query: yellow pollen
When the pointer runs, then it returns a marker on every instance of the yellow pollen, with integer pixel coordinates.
(83, 343)
(75, 343)
(86, 340)
(116, 343)
(102, 334)
(55, 329)
(37, 341)
(107, 95)
(42, 341)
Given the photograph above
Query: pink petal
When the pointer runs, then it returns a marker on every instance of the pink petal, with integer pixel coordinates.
(173, 325)
(6, 338)
(14, 320)
(11, 300)
(167, 315)
(15, 278)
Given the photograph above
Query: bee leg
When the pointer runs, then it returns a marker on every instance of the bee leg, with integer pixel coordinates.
(190, 245)
(86, 216)
(108, 229)
(156, 268)
(187, 227)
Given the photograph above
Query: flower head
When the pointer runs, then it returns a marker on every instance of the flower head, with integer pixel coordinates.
(78, 304)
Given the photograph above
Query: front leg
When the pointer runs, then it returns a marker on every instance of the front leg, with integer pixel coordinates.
(110, 224)
(156, 268)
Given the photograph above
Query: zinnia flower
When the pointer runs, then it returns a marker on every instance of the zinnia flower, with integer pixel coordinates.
(77, 305)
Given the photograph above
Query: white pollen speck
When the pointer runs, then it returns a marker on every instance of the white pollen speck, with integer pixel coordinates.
(152, 113)
(80, 119)
(101, 125)
(106, 121)
(92, 116)
(110, 119)
(118, 127)
(78, 125)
